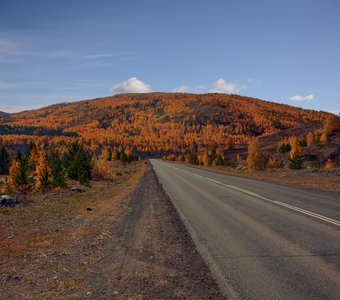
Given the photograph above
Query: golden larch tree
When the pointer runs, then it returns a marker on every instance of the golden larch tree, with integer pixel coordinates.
(12, 183)
(295, 148)
(310, 139)
(329, 165)
(43, 174)
(256, 158)
(324, 137)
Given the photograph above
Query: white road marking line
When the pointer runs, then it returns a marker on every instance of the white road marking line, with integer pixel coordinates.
(292, 207)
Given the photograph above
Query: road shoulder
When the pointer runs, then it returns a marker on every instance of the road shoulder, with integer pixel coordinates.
(152, 255)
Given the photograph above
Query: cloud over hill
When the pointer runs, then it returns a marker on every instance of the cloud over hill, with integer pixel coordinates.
(132, 85)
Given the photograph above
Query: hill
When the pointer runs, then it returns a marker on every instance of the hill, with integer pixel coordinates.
(4, 115)
(165, 122)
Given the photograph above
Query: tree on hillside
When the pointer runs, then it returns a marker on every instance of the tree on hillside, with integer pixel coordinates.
(33, 156)
(193, 159)
(295, 155)
(283, 146)
(43, 175)
(333, 124)
(329, 165)
(310, 139)
(114, 155)
(78, 162)
(256, 158)
(324, 137)
(58, 170)
(229, 143)
(219, 157)
(106, 154)
(102, 167)
(303, 143)
(15, 180)
(123, 157)
(219, 160)
(4, 161)
(23, 168)
(205, 159)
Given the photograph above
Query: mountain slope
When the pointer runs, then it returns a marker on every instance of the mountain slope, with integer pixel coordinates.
(169, 121)
(4, 115)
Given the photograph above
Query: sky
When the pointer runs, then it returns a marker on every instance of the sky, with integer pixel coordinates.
(277, 50)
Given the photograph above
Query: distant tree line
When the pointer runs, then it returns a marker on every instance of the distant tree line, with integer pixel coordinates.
(41, 170)
(212, 156)
(36, 131)
(257, 159)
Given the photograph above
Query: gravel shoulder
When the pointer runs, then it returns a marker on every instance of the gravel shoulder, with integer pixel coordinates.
(151, 255)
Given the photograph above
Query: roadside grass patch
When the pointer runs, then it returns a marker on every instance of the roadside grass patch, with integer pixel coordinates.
(45, 243)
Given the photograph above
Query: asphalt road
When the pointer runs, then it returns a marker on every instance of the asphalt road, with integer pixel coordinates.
(260, 240)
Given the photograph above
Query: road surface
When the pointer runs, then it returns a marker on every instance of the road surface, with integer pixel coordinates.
(260, 240)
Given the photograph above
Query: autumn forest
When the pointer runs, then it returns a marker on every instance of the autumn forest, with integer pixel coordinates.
(208, 129)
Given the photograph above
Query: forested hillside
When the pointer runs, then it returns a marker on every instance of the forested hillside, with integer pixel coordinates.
(3, 114)
(162, 122)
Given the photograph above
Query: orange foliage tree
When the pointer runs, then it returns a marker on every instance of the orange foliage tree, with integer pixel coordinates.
(256, 158)
(43, 174)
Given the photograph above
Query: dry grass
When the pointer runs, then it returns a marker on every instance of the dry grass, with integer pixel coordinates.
(318, 179)
(46, 242)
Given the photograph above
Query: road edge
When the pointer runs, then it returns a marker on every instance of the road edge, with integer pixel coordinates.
(226, 289)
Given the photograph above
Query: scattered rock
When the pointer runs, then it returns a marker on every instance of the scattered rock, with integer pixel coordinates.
(89, 209)
(241, 168)
(9, 200)
(14, 277)
(78, 190)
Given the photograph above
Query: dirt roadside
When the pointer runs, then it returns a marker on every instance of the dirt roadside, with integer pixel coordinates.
(51, 242)
(132, 245)
(317, 180)
(151, 255)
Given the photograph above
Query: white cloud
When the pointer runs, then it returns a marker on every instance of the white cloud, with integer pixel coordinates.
(299, 98)
(132, 85)
(181, 89)
(221, 86)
